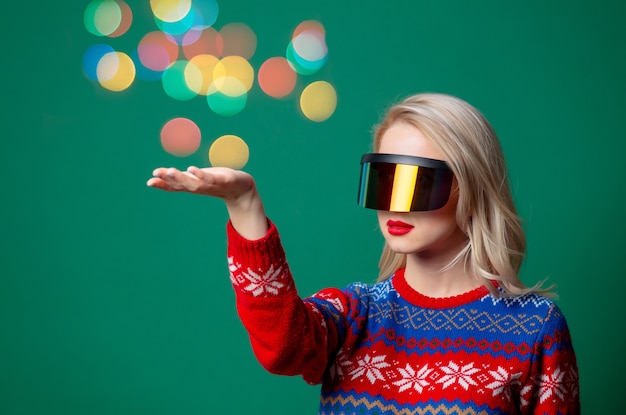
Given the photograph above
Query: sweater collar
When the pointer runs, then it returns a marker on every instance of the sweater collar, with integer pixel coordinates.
(416, 298)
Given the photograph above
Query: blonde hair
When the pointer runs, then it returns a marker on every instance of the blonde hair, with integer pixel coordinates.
(496, 243)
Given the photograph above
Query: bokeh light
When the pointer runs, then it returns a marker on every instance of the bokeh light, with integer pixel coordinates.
(174, 82)
(180, 137)
(143, 73)
(157, 51)
(199, 73)
(202, 42)
(307, 51)
(179, 26)
(276, 77)
(190, 36)
(233, 67)
(312, 26)
(310, 46)
(318, 101)
(107, 67)
(190, 57)
(206, 13)
(229, 151)
(110, 18)
(116, 71)
(227, 105)
(177, 18)
(295, 62)
(237, 39)
(92, 56)
(126, 21)
(102, 17)
(170, 10)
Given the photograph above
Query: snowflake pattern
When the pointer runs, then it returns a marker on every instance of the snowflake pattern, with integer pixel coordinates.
(525, 395)
(458, 374)
(552, 384)
(257, 283)
(409, 378)
(502, 382)
(341, 363)
(370, 367)
(413, 379)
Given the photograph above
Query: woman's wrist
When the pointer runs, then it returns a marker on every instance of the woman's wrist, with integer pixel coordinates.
(247, 215)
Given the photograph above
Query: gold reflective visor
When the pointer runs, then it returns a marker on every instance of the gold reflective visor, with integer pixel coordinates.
(401, 183)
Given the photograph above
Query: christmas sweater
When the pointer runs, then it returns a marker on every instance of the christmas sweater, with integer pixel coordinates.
(386, 349)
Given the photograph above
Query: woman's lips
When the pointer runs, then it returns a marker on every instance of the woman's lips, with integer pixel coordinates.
(396, 227)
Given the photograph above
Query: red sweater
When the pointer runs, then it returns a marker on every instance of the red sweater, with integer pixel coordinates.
(386, 348)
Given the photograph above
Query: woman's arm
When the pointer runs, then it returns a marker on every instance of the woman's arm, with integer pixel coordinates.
(235, 187)
(552, 387)
(288, 336)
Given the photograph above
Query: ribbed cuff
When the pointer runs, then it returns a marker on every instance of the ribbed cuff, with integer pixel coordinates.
(259, 253)
(258, 267)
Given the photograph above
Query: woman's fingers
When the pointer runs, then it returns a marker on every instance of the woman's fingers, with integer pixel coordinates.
(183, 181)
(213, 181)
(196, 172)
(171, 179)
(157, 183)
(159, 172)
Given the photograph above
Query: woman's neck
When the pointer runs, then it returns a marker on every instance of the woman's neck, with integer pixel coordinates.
(430, 275)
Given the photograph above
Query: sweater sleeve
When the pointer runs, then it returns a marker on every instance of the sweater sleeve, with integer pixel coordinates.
(553, 386)
(289, 336)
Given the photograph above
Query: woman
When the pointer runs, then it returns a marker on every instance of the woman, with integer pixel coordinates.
(449, 327)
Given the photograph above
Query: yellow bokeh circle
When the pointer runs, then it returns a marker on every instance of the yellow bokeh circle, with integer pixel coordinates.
(234, 67)
(229, 151)
(170, 10)
(199, 73)
(227, 85)
(116, 71)
(318, 101)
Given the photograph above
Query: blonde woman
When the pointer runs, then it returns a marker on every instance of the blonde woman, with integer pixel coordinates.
(449, 328)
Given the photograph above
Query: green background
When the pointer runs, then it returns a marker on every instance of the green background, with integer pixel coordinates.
(115, 297)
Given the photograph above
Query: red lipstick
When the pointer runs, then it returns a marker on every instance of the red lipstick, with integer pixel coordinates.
(396, 227)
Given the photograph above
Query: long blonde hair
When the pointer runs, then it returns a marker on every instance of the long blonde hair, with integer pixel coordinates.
(496, 243)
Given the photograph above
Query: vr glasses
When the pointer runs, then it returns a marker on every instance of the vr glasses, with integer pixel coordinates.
(400, 183)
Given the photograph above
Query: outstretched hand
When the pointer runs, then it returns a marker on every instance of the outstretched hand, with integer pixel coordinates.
(235, 187)
(221, 182)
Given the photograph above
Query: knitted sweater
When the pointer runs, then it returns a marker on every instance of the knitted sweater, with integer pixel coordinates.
(387, 349)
